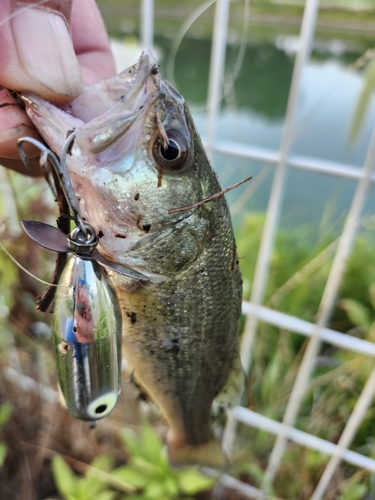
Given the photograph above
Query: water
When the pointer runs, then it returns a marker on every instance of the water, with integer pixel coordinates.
(253, 110)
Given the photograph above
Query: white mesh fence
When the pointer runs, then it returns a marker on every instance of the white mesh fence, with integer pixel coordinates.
(282, 160)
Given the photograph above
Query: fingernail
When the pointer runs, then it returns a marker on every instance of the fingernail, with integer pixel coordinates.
(45, 50)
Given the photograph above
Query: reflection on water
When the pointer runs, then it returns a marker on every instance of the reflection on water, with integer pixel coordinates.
(262, 84)
(253, 113)
(253, 110)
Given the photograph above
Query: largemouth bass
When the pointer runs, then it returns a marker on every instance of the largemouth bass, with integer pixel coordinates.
(137, 155)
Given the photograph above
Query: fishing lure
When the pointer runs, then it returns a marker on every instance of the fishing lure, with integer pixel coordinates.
(86, 325)
(86, 333)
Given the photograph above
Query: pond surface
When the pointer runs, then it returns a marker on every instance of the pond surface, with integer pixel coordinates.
(253, 113)
(253, 109)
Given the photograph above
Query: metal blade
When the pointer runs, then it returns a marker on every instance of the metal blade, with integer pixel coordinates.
(46, 236)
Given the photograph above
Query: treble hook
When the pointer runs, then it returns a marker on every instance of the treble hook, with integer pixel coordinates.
(59, 168)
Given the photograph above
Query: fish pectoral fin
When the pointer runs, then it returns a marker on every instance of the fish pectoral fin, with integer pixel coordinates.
(209, 454)
(232, 393)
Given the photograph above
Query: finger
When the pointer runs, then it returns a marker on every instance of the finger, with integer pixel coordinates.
(37, 52)
(91, 45)
(91, 42)
(14, 123)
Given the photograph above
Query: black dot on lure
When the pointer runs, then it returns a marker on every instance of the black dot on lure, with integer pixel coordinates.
(100, 409)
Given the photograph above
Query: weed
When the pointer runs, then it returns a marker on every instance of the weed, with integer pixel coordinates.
(147, 476)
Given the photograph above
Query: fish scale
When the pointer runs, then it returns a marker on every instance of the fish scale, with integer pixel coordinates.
(207, 335)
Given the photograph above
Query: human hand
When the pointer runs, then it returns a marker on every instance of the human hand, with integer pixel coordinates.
(51, 48)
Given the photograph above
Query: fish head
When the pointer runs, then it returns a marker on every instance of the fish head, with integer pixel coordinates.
(136, 154)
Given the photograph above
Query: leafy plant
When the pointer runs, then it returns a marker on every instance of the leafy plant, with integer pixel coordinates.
(361, 315)
(5, 413)
(147, 476)
(354, 488)
(363, 102)
(298, 274)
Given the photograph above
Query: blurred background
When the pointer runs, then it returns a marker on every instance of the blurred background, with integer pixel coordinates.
(320, 140)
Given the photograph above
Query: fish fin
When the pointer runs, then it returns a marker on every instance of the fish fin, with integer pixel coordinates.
(209, 454)
(232, 393)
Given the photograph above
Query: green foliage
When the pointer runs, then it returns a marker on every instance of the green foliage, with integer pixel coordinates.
(149, 469)
(97, 483)
(299, 270)
(355, 491)
(3, 453)
(354, 488)
(361, 315)
(66, 481)
(256, 473)
(358, 314)
(147, 476)
(363, 103)
(5, 413)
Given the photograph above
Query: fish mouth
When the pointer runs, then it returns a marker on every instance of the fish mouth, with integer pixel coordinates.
(138, 103)
(126, 102)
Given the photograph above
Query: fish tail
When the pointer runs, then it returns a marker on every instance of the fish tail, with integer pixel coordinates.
(209, 454)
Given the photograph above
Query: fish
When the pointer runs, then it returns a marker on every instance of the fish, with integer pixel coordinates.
(136, 156)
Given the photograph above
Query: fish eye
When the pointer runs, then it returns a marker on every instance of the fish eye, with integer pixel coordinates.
(172, 152)
(175, 155)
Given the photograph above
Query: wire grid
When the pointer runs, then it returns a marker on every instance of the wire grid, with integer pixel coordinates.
(254, 311)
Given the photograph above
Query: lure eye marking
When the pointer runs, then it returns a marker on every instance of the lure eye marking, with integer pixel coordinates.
(102, 406)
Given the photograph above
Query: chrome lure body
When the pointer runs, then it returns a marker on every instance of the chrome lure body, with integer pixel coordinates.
(86, 335)
(86, 324)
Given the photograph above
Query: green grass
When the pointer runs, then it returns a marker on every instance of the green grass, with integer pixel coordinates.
(298, 275)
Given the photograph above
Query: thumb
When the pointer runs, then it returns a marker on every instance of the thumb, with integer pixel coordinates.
(37, 52)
